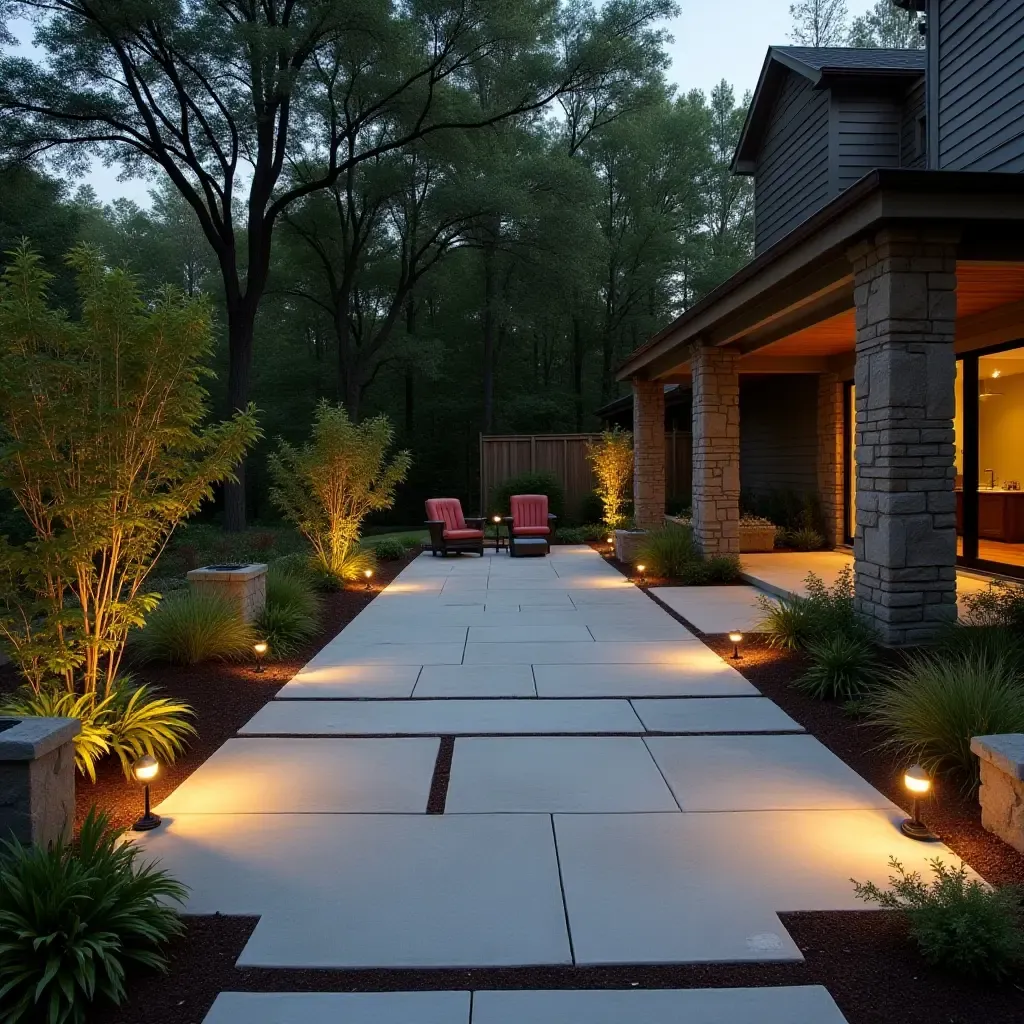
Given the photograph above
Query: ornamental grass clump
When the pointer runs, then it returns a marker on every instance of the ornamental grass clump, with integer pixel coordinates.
(843, 667)
(959, 923)
(669, 552)
(795, 622)
(333, 482)
(73, 918)
(935, 704)
(291, 615)
(611, 459)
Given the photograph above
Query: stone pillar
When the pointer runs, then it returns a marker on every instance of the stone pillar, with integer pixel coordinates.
(245, 586)
(37, 778)
(648, 453)
(905, 544)
(830, 457)
(716, 450)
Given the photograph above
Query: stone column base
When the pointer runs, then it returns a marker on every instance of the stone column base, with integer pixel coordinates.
(1002, 786)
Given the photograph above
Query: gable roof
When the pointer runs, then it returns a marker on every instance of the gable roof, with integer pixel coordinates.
(822, 66)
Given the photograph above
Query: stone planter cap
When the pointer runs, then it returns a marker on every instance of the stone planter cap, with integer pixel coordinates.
(224, 572)
(30, 738)
(1005, 751)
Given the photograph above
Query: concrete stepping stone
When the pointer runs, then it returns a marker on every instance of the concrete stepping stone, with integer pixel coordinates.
(340, 1008)
(441, 718)
(759, 773)
(328, 679)
(475, 681)
(572, 774)
(714, 609)
(361, 891)
(280, 776)
(714, 714)
(398, 631)
(809, 1004)
(645, 631)
(530, 652)
(513, 632)
(698, 673)
(356, 653)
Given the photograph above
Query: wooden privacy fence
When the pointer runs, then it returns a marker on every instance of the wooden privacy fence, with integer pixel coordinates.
(565, 455)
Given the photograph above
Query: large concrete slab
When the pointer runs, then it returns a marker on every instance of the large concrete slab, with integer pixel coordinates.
(572, 774)
(305, 776)
(328, 680)
(652, 652)
(337, 1007)
(714, 609)
(714, 714)
(699, 673)
(810, 1004)
(513, 632)
(404, 630)
(759, 773)
(656, 888)
(475, 681)
(338, 890)
(344, 654)
(441, 718)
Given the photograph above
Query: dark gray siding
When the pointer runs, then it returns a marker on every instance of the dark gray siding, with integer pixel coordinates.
(912, 147)
(865, 135)
(981, 85)
(779, 433)
(791, 177)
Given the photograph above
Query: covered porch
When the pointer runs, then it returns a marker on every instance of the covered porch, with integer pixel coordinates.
(903, 299)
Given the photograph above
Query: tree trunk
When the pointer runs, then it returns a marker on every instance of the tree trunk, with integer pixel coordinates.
(410, 380)
(490, 336)
(577, 372)
(241, 326)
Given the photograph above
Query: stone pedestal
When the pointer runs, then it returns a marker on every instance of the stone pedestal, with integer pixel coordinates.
(716, 450)
(830, 457)
(1002, 786)
(628, 544)
(905, 544)
(37, 778)
(648, 453)
(245, 586)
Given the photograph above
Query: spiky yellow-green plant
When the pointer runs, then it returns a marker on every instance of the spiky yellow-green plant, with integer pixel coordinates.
(611, 458)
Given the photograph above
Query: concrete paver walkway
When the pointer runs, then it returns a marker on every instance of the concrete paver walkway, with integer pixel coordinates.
(618, 794)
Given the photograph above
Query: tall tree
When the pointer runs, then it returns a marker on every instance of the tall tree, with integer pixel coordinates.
(887, 27)
(818, 22)
(222, 95)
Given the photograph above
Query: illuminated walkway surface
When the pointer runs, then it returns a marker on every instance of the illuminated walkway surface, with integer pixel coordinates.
(618, 795)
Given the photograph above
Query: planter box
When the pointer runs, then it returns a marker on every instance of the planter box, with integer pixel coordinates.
(757, 538)
(628, 543)
(245, 586)
(1002, 786)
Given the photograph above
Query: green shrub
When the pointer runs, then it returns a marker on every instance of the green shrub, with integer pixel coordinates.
(669, 551)
(73, 917)
(794, 622)
(718, 569)
(843, 667)
(935, 704)
(1002, 604)
(389, 550)
(804, 539)
(412, 541)
(189, 627)
(992, 642)
(292, 611)
(129, 722)
(570, 535)
(959, 924)
(529, 483)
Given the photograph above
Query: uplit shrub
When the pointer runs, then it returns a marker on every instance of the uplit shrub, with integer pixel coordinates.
(959, 923)
(529, 483)
(936, 703)
(389, 549)
(73, 917)
(669, 551)
(291, 614)
(611, 460)
(842, 667)
(188, 627)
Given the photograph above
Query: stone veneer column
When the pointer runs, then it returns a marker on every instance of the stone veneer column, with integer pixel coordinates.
(905, 544)
(830, 456)
(716, 450)
(648, 453)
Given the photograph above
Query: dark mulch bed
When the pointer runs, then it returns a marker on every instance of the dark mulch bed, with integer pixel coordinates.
(864, 959)
(224, 696)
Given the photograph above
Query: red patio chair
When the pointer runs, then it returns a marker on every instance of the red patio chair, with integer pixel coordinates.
(450, 531)
(529, 518)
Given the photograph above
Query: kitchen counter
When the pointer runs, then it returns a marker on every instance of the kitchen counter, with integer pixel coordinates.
(1000, 514)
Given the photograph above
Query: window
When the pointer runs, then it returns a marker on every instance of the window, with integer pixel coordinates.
(921, 137)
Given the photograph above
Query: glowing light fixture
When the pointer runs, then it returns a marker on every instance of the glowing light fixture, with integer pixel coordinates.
(368, 573)
(145, 771)
(736, 639)
(640, 570)
(260, 649)
(918, 783)
(997, 373)
(495, 519)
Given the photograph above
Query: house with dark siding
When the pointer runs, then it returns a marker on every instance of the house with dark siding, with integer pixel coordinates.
(872, 351)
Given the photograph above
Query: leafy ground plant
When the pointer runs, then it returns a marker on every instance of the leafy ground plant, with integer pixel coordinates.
(292, 612)
(935, 704)
(842, 667)
(1002, 604)
(792, 623)
(189, 627)
(959, 923)
(389, 550)
(669, 551)
(73, 916)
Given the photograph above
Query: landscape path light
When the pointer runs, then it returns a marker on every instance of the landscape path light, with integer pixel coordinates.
(368, 573)
(736, 638)
(641, 569)
(919, 784)
(145, 771)
(260, 649)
